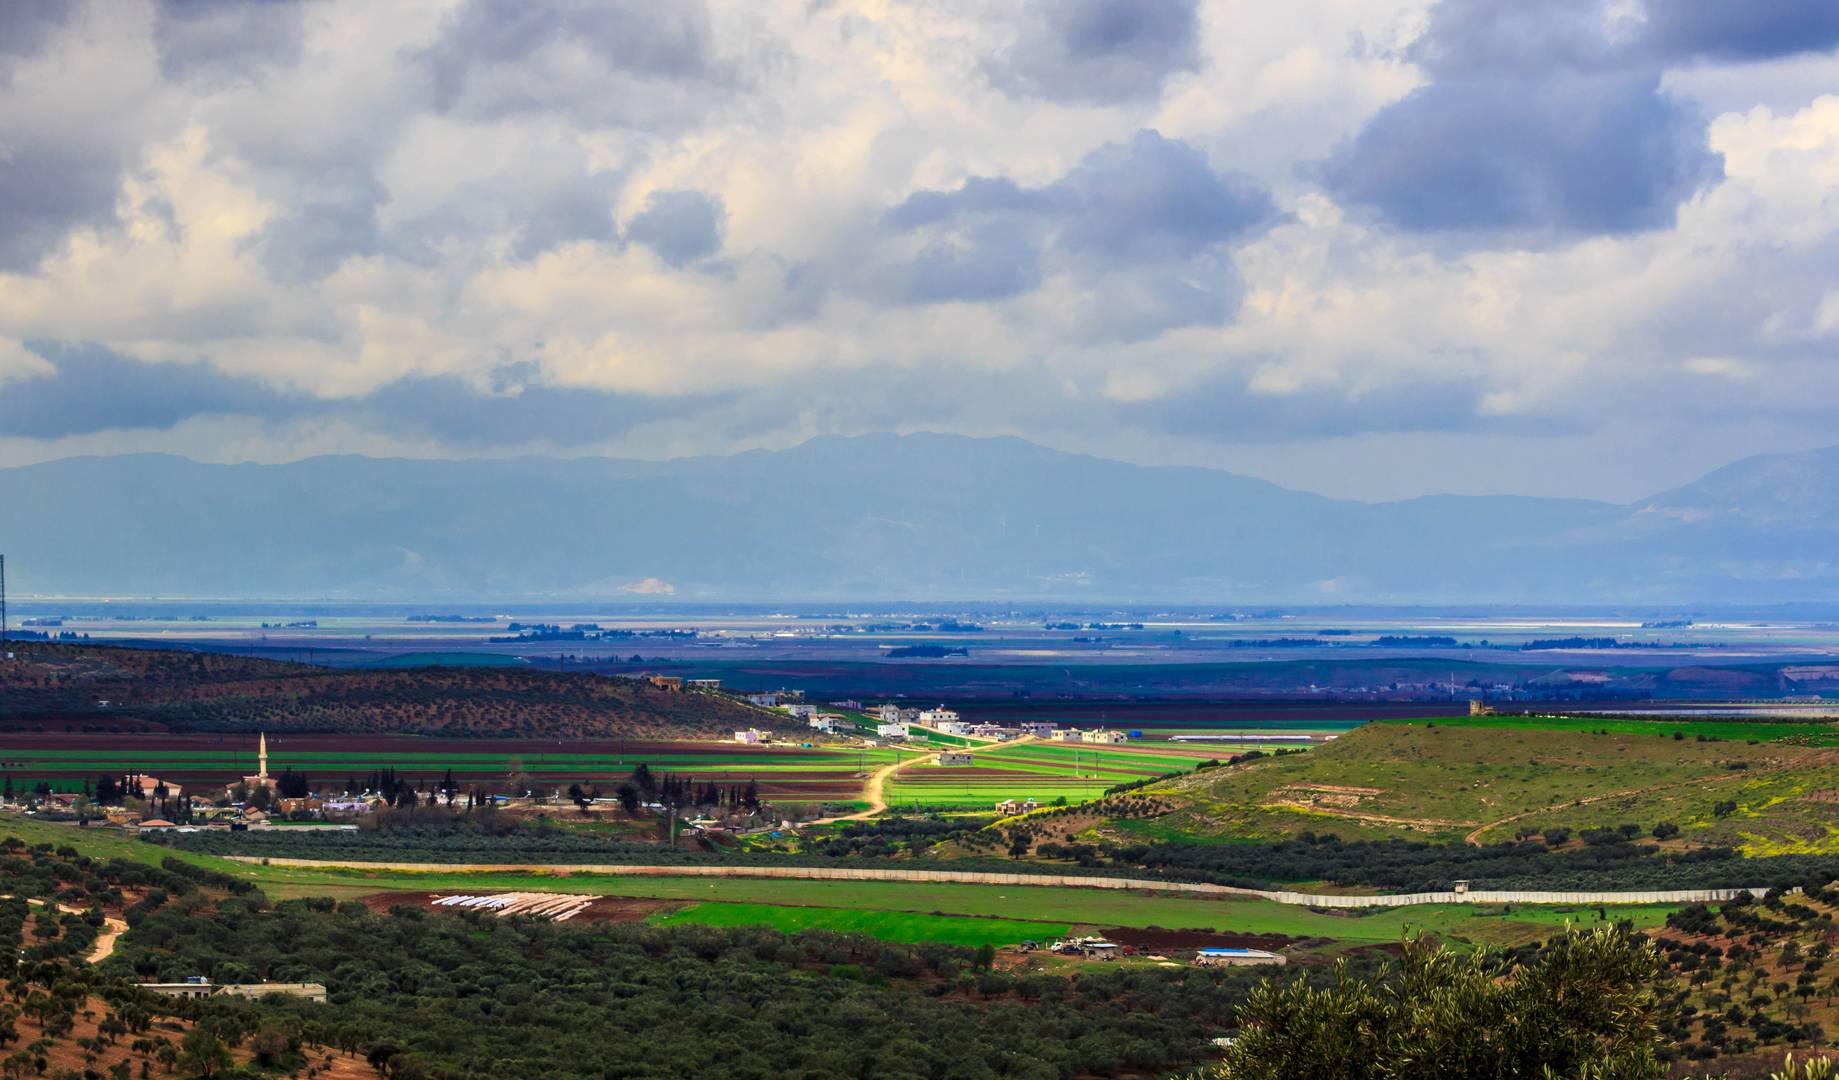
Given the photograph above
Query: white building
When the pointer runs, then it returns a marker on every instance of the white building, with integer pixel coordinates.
(892, 731)
(800, 710)
(888, 714)
(938, 717)
(752, 736)
(1100, 735)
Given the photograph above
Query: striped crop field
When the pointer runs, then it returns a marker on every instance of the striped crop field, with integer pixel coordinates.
(1043, 771)
(67, 761)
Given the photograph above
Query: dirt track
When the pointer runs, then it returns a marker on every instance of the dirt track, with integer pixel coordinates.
(875, 788)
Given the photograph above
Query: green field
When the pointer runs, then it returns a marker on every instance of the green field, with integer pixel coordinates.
(887, 925)
(1736, 730)
(1454, 780)
(1043, 771)
(1021, 905)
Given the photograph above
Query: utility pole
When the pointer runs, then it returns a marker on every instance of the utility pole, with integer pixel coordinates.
(3, 603)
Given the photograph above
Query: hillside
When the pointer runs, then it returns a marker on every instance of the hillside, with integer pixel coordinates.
(1455, 781)
(916, 517)
(94, 687)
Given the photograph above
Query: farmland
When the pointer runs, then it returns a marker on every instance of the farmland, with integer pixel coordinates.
(906, 907)
(832, 772)
(1042, 771)
(792, 773)
(887, 925)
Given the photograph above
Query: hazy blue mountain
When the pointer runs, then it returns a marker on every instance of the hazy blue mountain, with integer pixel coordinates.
(914, 517)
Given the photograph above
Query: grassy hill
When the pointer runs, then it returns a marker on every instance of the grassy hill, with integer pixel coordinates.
(1482, 782)
(61, 686)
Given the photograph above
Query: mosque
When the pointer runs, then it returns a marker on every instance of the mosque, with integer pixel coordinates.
(261, 779)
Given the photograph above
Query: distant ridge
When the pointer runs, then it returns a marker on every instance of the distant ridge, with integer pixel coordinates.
(884, 516)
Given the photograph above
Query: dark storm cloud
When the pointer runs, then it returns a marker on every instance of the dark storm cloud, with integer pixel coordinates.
(225, 38)
(1099, 51)
(48, 187)
(1147, 217)
(1153, 199)
(1568, 155)
(1741, 29)
(94, 389)
(474, 66)
(1544, 121)
(1502, 37)
(680, 226)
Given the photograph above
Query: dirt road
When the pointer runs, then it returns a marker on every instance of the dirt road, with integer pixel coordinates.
(112, 928)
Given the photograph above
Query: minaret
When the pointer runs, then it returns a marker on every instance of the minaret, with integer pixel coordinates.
(261, 757)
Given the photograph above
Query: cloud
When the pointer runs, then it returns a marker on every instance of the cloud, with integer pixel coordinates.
(1144, 219)
(417, 228)
(1227, 408)
(1564, 155)
(331, 218)
(1152, 199)
(1539, 122)
(600, 61)
(681, 227)
(1740, 29)
(48, 187)
(1099, 51)
(225, 38)
(579, 208)
(93, 389)
(25, 25)
(514, 413)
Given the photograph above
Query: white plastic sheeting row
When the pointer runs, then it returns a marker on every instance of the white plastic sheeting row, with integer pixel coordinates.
(557, 907)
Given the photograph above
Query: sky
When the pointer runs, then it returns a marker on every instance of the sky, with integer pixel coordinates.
(1362, 247)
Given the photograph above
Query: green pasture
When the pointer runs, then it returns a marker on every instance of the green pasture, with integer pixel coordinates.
(1441, 782)
(904, 926)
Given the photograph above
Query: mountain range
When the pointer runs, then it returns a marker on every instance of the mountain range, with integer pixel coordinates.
(912, 517)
